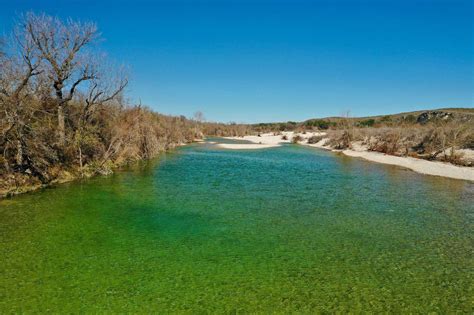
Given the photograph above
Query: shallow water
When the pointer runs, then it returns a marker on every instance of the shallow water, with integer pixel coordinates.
(288, 229)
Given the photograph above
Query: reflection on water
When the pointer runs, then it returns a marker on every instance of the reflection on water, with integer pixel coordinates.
(288, 229)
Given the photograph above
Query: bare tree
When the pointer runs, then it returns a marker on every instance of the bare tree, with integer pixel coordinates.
(199, 116)
(108, 85)
(199, 119)
(348, 133)
(62, 47)
(16, 73)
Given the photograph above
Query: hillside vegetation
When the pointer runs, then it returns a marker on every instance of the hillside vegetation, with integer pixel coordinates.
(415, 118)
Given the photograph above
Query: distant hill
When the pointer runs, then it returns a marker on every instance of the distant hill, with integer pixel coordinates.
(415, 117)
(455, 112)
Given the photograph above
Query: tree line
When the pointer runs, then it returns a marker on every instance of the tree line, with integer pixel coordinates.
(63, 107)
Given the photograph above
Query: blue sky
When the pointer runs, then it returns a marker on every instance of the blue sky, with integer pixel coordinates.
(253, 61)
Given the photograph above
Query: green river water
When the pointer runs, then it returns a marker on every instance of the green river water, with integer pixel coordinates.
(205, 230)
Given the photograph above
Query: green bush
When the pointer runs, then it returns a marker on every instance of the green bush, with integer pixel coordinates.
(319, 123)
(367, 123)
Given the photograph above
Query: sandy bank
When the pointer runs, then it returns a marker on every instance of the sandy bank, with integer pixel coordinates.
(270, 140)
(417, 165)
(245, 146)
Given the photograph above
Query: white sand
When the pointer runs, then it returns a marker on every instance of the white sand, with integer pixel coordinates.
(269, 140)
(417, 165)
(246, 146)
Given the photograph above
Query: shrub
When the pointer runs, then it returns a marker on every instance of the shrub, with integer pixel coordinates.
(342, 139)
(409, 118)
(315, 139)
(319, 123)
(296, 139)
(367, 123)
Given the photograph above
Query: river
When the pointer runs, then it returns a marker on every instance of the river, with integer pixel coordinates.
(202, 229)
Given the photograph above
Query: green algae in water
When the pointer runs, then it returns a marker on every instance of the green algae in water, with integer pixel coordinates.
(288, 229)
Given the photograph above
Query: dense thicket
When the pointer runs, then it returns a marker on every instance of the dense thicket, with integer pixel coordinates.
(63, 111)
(448, 141)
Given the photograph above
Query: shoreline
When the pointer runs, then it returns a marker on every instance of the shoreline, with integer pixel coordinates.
(433, 168)
(246, 146)
(266, 141)
(71, 175)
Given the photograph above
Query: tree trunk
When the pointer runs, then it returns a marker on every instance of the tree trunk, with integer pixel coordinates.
(19, 153)
(80, 162)
(61, 128)
(5, 160)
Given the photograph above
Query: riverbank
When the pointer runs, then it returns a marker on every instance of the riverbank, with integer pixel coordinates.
(434, 168)
(20, 183)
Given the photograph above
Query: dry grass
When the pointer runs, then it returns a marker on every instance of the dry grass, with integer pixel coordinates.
(441, 141)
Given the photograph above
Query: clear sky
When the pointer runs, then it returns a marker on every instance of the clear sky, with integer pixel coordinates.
(263, 60)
